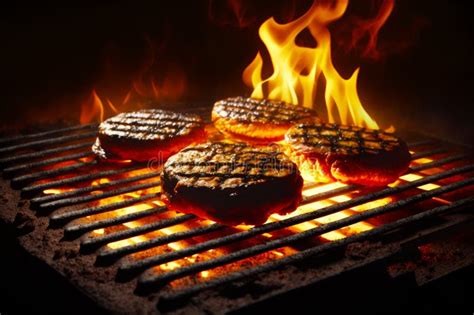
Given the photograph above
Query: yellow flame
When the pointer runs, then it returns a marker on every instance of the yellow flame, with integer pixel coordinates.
(298, 69)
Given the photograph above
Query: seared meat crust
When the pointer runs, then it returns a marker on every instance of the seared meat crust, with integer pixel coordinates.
(348, 154)
(147, 134)
(258, 120)
(232, 183)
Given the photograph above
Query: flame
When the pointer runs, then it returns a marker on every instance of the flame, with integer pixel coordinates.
(171, 88)
(370, 28)
(230, 12)
(297, 70)
(94, 110)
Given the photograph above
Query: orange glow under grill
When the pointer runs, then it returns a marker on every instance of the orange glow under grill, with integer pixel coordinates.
(314, 206)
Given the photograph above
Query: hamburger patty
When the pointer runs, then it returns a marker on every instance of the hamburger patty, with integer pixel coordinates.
(232, 183)
(348, 154)
(258, 120)
(147, 134)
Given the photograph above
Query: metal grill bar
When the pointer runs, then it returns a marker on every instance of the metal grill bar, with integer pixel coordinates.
(306, 254)
(58, 140)
(19, 168)
(46, 133)
(400, 188)
(439, 162)
(78, 179)
(83, 190)
(151, 279)
(428, 153)
(352, 188)
(76, 230)
(20, 181)
(61, 218)
(420, 143)
(44, 153)
(107, 254)
(89, 198)
(269, 227)
(329, 194)
(322, 196)
(98, 241)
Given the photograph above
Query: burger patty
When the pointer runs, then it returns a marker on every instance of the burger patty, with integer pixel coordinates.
(232, 183)
(146, 134)
(348, 154)
(258, 120)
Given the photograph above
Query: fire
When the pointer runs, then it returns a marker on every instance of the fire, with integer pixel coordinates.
(298, 70)
(370, 28)
(156, 79)
(171, 88)
(94, 110)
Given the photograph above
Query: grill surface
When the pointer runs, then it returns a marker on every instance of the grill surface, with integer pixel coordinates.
(112, 215)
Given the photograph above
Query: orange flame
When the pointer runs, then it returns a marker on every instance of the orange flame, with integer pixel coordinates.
(93, 109)
(230, 12)
(371, 29)
(298, 69)
(172, 87)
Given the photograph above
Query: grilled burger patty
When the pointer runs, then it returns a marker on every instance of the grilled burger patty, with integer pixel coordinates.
(232, 183)
(347, 154)
(147, 134)
(260, 120)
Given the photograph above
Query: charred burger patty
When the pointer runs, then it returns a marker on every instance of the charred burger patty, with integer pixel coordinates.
(232, 183)
(147, 134)
(348, 154)
(258, 120)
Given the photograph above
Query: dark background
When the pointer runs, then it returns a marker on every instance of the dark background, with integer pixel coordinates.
(54, 54)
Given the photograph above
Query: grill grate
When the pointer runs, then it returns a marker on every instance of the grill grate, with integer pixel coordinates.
(61, 158)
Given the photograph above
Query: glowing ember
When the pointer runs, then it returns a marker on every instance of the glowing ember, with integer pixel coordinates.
(55, 191)
(297, 70)
(413, 177)
(323, 188)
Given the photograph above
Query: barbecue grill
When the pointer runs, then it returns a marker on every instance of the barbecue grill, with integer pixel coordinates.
(103, 226)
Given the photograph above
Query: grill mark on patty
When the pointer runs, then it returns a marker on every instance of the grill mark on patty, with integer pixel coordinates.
(237, 156)
(342, 139)
(150, 124)
(157, 114)
(247, 109)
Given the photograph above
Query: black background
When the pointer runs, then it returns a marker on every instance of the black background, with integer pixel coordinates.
(53, 55)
